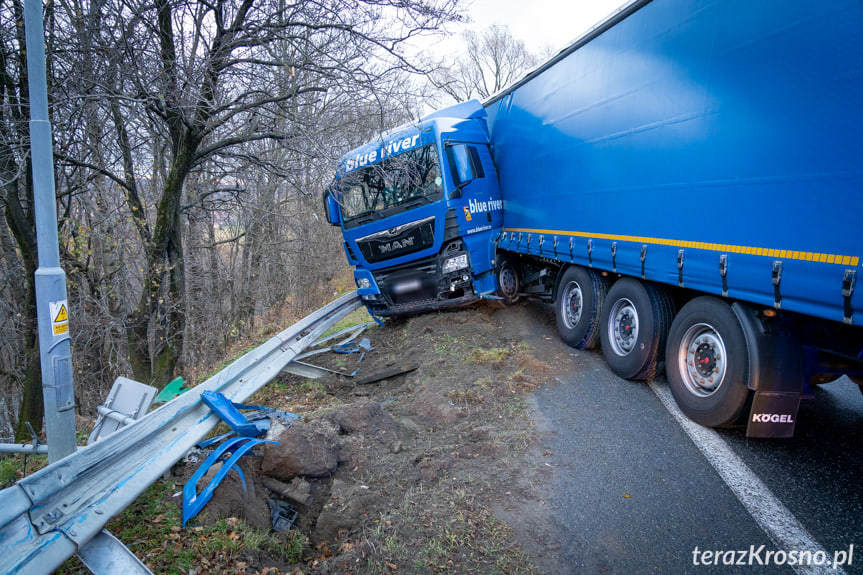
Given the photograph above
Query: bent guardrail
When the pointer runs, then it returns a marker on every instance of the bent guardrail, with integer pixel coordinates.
(47, 517)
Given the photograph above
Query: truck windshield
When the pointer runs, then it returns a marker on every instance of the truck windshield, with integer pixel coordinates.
(396, 184)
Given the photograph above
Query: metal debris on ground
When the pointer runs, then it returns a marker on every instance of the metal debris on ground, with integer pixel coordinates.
(346, 346)
(282, 515)
(387, 373)
(127, 402)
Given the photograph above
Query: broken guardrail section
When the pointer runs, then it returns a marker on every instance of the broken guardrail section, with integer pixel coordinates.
(51, 515)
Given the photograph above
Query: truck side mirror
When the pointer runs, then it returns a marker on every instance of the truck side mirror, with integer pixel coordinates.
(331, 208)
(464, 163)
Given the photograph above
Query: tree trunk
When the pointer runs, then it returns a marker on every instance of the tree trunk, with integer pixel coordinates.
(161, 307)
(23, 228)
(32, 404)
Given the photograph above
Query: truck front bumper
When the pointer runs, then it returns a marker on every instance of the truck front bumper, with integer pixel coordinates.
(418, 287)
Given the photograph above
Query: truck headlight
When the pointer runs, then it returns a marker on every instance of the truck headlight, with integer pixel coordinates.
(455, 264)
(364, 283)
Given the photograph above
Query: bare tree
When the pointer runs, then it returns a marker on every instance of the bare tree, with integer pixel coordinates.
(210, 79)
(16, 197)
(492, 60)
(192, 142)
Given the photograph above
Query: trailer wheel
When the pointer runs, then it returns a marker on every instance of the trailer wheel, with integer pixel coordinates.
(634, 327)
(708, 363)
(508, 284)
(578, 307)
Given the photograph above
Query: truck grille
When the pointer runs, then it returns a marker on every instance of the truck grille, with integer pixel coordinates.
(398, 241)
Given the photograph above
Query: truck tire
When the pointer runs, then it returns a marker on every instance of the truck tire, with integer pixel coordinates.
(578, 307)
(708, 363)
(634, 327)
(508, 283)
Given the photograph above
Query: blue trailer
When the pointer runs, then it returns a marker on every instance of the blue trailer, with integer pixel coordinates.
(684, 182)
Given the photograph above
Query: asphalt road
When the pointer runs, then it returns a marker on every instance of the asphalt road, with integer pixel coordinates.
(632, 491)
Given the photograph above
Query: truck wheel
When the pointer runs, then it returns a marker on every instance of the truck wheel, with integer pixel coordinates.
(634, 327)
(578, 307)
(708, 363)
(508, 283)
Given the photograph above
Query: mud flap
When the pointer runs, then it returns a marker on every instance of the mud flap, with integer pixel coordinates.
(776, 372)
(773, 414)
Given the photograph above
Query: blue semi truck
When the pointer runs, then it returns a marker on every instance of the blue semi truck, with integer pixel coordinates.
(684, 183)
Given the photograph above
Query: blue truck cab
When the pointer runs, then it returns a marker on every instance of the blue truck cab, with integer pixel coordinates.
(417, 207)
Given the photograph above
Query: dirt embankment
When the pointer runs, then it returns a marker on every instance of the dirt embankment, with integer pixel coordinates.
(423, 471)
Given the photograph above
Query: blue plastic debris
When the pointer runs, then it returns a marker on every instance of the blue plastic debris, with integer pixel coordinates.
(193, 501)
(349, 347)
(248, 427)
(224, 408)
(261, 412)
(251, 426)
(214, 440)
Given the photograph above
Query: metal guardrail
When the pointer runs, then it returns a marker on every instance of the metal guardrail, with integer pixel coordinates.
(49, 516)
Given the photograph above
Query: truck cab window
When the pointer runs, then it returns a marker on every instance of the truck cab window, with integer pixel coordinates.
(398, 183)
(464, 163)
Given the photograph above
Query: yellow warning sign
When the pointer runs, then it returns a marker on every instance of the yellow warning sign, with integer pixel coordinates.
(59, 317)
(61, 314)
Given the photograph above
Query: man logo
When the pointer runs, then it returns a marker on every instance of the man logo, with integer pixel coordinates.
(396, 245)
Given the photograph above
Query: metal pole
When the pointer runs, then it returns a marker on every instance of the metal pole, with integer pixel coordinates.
(22, 448)
(55, 345)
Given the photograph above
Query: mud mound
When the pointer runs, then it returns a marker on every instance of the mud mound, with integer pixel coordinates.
(403, 470)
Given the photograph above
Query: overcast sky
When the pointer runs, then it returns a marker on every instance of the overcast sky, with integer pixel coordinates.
(540, 23)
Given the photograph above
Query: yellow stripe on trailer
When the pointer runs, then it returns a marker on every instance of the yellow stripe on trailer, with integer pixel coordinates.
(751, 250)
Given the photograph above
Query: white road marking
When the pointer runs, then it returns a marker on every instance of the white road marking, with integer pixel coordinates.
(786, 532)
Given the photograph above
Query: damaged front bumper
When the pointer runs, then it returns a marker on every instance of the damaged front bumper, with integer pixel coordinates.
(423, 285)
